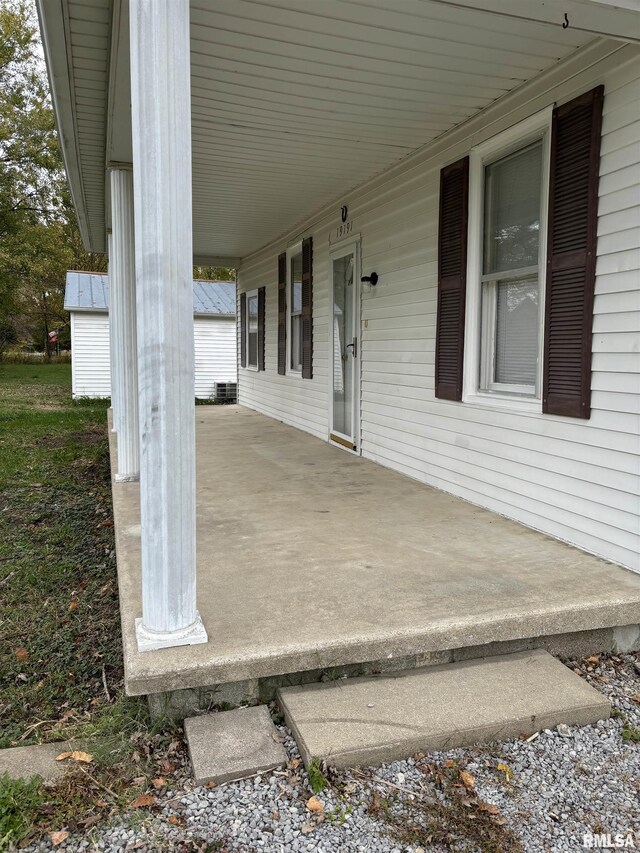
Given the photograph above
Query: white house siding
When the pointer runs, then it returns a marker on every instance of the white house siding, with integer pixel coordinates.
(576, 480)
(90, 366)
(215, 349)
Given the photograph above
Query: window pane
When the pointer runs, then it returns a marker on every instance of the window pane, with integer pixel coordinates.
(516, 356)
(252, 311)
(296, 342)
(296, 284)
(295, 311)
(512, 210)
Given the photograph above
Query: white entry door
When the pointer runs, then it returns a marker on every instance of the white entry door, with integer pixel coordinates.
(344, 376)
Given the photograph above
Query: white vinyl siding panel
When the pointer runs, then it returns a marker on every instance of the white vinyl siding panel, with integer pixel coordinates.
(215, 352)
(575, 480)
(90, 364)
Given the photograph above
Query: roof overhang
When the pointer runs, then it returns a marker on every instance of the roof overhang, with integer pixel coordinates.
(294, 104)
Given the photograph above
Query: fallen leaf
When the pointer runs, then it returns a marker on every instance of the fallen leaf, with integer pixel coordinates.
(449, 763)
(277, 737)
(101, 804)
(167, 766)
(275, 814)
(594, 659)
(90, 821)
(76, 755)
(306, 828)
(158, 783)
(295, 762)
(315, 805)
(73, 605)
(508, 773)
(58, 837)
(140, 780)
(467, 780)
(211, 785)
(22, 654)
(487, 807)
(636, 698)
(174, 820)
(142, 801)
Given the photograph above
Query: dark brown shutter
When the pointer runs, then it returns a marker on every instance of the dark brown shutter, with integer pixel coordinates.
(452, 278)
(571, 255)
(261, 307)
(307, 308)
(243, 330)
(282, 313)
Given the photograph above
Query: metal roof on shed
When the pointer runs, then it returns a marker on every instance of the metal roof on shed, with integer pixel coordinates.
(89, 291)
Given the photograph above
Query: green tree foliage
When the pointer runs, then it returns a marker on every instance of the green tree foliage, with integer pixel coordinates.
(214, 273)
(39, 236)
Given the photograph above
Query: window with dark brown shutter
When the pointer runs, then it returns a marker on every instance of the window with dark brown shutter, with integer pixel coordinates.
(243, 330)
(261, 311)
(452, 278)
(571, 255)
(307, 308)
(282, 313)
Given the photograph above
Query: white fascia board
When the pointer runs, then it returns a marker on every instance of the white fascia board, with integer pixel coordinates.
(53, 20)
(615, 19)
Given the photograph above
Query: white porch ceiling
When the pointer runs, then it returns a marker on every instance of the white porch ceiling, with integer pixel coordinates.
(294, 102)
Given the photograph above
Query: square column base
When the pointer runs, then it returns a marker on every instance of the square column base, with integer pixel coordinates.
(149, 641)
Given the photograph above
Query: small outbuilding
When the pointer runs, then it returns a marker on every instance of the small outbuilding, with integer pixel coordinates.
(214, 328)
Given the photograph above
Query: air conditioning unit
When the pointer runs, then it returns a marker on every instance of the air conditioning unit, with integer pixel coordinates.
(225, 392)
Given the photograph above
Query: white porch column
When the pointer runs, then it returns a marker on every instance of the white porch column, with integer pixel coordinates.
(114, 365)
(161, 125)
(122, 282)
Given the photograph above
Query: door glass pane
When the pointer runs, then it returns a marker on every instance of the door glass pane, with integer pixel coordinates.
(512, 210)
(343, 360)
(516, 357)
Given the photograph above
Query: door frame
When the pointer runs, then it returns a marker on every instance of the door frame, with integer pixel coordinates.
(338, 250)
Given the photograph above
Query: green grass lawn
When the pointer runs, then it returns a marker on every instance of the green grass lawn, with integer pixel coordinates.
(60, 644)
(59, 624)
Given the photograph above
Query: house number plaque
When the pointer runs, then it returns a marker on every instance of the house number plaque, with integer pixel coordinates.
(344, 229)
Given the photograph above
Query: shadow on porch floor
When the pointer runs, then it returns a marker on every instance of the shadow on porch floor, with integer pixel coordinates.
(310, 558)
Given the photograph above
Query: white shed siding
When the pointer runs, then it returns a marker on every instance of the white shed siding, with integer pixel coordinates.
(576, 480)
(90, 366)
(215, 348)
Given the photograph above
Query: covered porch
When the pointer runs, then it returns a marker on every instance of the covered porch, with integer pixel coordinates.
(199, 132)
(311, 560)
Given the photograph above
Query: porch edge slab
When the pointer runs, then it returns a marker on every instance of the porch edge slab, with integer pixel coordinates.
(282, 650)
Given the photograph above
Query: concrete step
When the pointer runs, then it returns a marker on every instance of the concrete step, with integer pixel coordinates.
(362, 721)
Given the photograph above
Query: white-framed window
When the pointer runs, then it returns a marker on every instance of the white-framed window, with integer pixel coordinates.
(508, 191)
(252, 330)
(294, 309)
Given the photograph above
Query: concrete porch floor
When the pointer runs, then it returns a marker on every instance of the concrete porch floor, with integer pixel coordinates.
(311, 558)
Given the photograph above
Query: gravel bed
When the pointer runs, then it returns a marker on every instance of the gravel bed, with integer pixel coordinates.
(548, 791)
